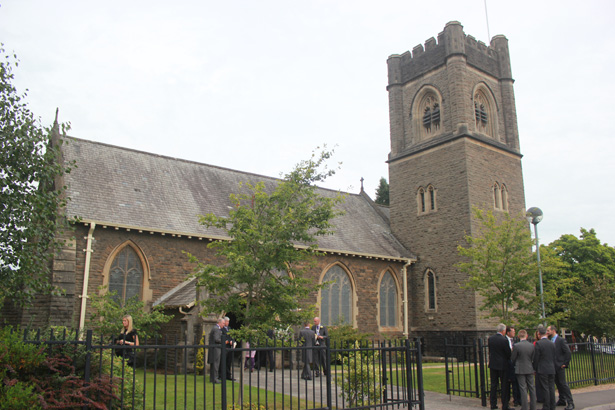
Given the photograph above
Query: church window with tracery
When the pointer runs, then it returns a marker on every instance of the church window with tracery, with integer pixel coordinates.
(388, 301)
(428, 114)
(126, 275)
(336, 297)
(484, 116)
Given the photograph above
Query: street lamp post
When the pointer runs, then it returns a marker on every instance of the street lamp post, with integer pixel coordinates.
(534, 216)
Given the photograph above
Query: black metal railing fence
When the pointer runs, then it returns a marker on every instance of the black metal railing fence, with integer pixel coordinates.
(166, 373)
(467, 366)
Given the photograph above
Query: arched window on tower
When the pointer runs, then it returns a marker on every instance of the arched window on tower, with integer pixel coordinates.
(426, 199)
(428, 113)
(336, 297)
(388, 301)
(484, 112)
(497, 196)
(126, 275)
(432, 198)
(421, 200)
(430, 290)
(500, 197)
(504, 193)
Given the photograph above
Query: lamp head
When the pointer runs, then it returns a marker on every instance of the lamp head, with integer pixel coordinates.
(534, 215)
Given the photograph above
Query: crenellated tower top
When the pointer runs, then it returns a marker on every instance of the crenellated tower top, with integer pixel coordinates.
(466, 84)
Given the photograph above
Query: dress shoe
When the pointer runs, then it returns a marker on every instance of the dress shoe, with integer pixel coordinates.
(306, 378)
(231, 379)
(570, 406)
(561, 403)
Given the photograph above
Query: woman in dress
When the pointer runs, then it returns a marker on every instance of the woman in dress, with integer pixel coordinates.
(128, 337)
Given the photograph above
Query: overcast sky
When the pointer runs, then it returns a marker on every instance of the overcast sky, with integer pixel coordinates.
(257, 85)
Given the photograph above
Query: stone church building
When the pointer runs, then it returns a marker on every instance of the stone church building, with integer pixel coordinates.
(454, 145)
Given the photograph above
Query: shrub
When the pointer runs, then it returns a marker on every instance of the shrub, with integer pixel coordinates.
(46, 376)
(108, 313)
(344, 336)
(122, 378)
(361, 382)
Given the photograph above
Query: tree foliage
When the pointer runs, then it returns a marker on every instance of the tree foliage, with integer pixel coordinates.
(382, 192)
(579, 282)
(501, 267)
(274, 232)
(107, 315)
(28, 196)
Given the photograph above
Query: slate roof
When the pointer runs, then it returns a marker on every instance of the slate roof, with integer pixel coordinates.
(122, 187)
(181, 295)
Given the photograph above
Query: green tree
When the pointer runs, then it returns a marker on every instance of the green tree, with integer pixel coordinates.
(107, 315)
(273, 243)
(579, 283)
(29, 197)
(382, 192)
(501, 267)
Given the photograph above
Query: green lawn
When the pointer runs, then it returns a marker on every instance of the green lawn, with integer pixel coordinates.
(179, 393)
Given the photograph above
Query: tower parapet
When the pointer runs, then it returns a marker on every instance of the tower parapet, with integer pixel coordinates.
(493, 59)
(453, 87)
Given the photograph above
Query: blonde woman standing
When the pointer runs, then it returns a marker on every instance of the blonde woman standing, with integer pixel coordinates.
(128, 337)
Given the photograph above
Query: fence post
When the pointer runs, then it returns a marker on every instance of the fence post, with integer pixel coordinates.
(223, 375)
(88, 356)
(592, 354)
(481, 370)
(419, 373)
(446, 372)
(385, 379)
(329, 376)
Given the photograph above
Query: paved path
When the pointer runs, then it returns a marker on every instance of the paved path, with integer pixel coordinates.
(588, 400)
(289, 382)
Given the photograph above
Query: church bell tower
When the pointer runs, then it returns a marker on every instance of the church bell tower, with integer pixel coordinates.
(454, 146)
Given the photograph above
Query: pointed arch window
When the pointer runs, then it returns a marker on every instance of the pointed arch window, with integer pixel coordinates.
(484, 111)
(126, 275)
(500, 197)
(388, 301)
(430, 290)
(426, 199)
(336, 297)
(497, 196)
(427, 113)
(504, 192)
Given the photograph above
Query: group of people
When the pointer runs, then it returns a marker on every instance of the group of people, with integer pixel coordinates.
(217, 335)
(310, 338)
(313, 356)
(530, 369)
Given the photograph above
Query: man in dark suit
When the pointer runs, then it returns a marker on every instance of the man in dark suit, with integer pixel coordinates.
(562, 360)
(512, 378)
(523, 358)
(307, 337)
(544, 364)
(215, 346)
(499, 356)
(230, 345)
(321, 354)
